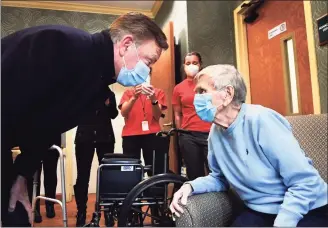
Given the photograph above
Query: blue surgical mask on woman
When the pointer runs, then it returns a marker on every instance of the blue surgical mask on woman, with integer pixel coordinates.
(204, 107)
(135, 76)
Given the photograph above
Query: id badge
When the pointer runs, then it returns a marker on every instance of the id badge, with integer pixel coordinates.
(145, 126)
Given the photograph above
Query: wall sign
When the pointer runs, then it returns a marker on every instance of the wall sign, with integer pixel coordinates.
(322, 23)
(277, 30)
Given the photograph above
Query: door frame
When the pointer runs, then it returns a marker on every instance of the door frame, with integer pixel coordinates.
(242, 52)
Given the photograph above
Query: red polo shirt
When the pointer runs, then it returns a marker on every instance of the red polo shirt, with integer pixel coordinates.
(183, 94)
(133, 123)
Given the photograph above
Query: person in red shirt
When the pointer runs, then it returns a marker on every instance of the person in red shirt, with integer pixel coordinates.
(142, 108)
(193, 146)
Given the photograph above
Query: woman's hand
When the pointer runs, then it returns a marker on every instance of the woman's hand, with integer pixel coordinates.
(149, 91)
(137, 91)
(19, 193)
(182, 196)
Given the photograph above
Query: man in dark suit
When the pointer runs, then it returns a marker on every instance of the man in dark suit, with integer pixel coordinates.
(94, 132)
(50, 77)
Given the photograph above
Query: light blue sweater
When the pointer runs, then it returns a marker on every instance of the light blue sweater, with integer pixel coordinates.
(259, 156)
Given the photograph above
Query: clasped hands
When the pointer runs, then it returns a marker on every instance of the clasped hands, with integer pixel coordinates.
(148, 90)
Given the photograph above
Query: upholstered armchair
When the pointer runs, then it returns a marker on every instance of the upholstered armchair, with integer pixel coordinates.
(219, 209)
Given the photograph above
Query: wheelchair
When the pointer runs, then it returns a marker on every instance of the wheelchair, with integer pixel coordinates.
(129, 198)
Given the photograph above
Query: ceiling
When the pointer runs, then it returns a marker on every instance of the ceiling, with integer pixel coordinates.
(149, 8)
(143, 5)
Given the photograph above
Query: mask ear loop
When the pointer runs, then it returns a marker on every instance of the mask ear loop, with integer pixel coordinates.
(124, 61)
(135, 46)
(136, 53)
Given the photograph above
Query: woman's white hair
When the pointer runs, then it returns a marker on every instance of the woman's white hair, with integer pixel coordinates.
(224, 75)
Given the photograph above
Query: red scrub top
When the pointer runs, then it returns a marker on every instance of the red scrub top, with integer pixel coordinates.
(133, 123)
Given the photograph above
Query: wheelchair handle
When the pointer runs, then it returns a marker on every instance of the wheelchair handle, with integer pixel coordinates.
(171, 132)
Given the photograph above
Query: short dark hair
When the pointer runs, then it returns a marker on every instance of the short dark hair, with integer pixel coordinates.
(140, 26)
(196, 54)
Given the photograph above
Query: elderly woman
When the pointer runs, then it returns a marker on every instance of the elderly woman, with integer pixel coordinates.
(252, 148)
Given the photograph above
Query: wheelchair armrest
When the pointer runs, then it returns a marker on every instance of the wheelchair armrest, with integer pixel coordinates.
(148, 167)
(207, 210)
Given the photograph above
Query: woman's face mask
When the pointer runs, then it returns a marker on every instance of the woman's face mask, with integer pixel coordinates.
(134, 76)
(192, 70)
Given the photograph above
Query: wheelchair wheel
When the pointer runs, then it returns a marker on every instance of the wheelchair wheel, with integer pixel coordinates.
(150, 198)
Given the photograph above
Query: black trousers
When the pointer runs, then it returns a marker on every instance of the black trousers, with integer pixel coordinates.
(250, 218)
(84, 153)
(193, 147)
(49, 164)
(132, 146)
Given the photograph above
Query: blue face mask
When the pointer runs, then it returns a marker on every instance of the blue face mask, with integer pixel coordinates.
(204, 107)
(135, 76)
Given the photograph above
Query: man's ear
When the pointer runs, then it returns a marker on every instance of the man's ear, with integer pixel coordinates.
(230, 93)
(124, 44)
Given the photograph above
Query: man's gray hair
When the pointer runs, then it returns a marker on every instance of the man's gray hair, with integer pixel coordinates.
(224, 75)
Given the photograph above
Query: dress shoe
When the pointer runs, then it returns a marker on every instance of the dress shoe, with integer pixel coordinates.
(50, 211)
(80, 218)
(37, 217)
(109, 219)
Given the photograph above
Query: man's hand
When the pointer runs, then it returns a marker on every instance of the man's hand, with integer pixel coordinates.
(137, 91)
(182, 196)
(19, 193)
(149, 91)
(107, 102)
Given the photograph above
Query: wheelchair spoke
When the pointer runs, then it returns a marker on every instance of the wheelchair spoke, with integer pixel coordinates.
(144, 213)
(143, 219)
(156, 194)
(160, 213)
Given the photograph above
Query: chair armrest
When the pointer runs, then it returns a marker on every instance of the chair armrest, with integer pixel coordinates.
(207, 210)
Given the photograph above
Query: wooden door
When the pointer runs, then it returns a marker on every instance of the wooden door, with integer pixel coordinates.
(163, 77)
(270, 62)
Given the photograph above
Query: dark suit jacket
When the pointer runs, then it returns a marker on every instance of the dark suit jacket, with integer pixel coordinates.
(50, 77)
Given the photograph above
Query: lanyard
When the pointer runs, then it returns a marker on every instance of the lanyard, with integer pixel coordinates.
(143, 102)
